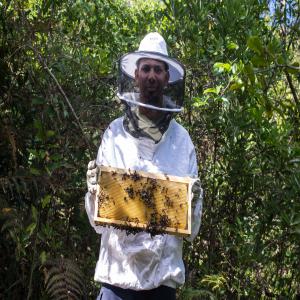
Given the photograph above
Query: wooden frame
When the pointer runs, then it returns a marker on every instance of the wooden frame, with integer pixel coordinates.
(148, 201)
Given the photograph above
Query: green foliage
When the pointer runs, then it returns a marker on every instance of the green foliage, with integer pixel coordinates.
(193, 294)
(58, 81)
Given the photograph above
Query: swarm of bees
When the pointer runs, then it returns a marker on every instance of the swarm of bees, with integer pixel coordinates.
(130, 192)
(103, 198)
(158, 220)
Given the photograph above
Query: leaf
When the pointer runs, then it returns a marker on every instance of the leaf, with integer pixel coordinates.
(190, 293)
(43, 257)
(50, 133)
(232, 46)
(259, 61)
(46, 6)
(34, 213)
(38, 124)
(296, 220)
(198, 102)
(254, 43)
(281, 60)
(30, 228)
(222, 67)
(211, 90)
(35, 171)
(7, 210)
(37, 100)
(56, 165)
(295, 160)
(46, 200)
(294, 68)
(224, 100)
(236, 86)
(297, 230)
(250, 73)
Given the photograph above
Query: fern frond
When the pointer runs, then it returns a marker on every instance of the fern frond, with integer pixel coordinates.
(12, 221)
(73, 280)
(12, 140)
(25, 184)
(194, 294)
(74, 291)
(50, 271)
(59, 280)
(16, 185)
(62, 297)
(63, 293)
(70, 296)
(9, 224)
(63, 279)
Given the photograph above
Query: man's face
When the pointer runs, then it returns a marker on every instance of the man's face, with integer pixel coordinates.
(151, 77)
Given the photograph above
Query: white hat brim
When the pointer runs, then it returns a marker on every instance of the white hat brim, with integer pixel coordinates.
(138, 103)
(129, 60)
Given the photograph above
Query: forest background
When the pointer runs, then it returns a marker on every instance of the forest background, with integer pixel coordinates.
(58, 83)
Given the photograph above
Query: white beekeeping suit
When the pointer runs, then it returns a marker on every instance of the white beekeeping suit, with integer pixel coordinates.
(139, 261)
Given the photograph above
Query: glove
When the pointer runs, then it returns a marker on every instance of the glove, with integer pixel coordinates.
(91, 176)
(197, 198)
(196, 190)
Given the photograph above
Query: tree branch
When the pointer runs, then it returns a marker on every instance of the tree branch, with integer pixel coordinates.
(293, 90)
(66, 100)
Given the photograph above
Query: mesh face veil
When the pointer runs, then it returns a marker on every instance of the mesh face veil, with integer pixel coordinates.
(152, 46)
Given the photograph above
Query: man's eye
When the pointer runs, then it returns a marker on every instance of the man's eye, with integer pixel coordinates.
(157, 69)
(146, 68)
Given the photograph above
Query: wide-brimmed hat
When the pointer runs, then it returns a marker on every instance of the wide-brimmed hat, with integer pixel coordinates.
(152, 46)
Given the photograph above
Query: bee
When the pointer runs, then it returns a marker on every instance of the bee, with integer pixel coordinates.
(125, 176)
(168, 202)
(164, 221)
(129, 190)
(135, 176)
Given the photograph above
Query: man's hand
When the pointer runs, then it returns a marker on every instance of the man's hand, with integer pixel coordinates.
(196, 191)
(91, 176)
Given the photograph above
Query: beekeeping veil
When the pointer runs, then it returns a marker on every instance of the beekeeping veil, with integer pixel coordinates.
(153, 46)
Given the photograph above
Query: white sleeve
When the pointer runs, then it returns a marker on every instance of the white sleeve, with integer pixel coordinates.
(196, 217)
(90, 198)
(197, 203)
(90, 211)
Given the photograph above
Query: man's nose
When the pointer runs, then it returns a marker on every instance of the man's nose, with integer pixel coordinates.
(152, 74)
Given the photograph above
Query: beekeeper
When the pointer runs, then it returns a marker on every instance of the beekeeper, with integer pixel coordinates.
(146, 138)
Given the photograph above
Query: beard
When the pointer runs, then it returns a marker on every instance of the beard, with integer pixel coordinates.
(152, 97)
